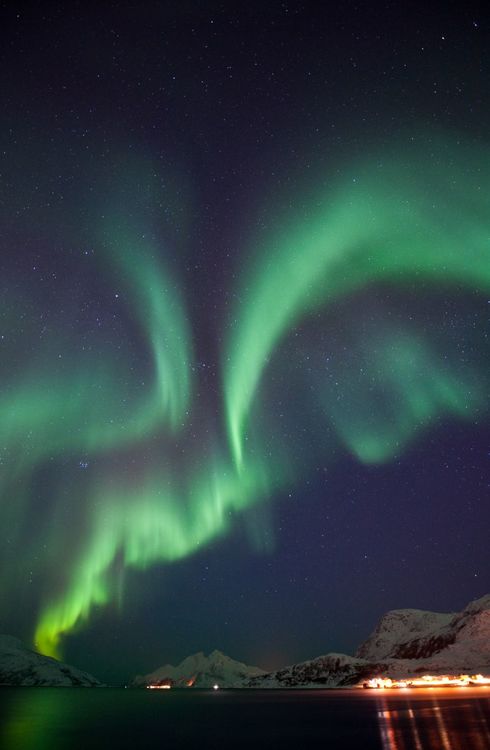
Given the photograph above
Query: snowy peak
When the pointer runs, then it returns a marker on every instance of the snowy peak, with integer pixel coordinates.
(462, 638)
(219, 657)
(406, 642)
(478, 605)
(203, 671)
(21, 666)
(398, 627)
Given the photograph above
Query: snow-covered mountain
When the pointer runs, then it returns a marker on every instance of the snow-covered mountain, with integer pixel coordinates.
(201, 671)
(461, 640)
(405, 643)
(21, 666)
(331, 670)
(398, 627)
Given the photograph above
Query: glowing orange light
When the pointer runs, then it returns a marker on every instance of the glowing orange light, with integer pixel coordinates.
(427, 681)
(158, 687)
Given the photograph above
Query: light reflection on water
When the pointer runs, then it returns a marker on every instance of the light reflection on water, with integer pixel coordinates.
(29, 726)
(442, 722)
(64, 718)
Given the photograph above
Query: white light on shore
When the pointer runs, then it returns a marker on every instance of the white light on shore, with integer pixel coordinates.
(428, 681)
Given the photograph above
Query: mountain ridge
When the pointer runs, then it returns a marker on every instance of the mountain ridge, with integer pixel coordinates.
(405, 642)
(199, 670)
(21, 666)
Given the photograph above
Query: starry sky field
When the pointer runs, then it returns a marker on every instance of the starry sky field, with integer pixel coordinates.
(245, 297)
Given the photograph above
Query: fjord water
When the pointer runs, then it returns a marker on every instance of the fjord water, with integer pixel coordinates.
(62, 718)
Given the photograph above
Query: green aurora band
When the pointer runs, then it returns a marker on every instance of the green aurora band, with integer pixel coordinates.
(394, 223)
(162, 318)
(401, 386)
(84, 411)
(398, 223)
(160, 522)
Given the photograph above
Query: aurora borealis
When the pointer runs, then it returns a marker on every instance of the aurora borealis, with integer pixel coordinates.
(164, 517)
(382, 228)
(238, 379)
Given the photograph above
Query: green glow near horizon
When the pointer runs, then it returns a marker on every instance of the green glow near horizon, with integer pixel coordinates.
(398, 225)
(156, 524)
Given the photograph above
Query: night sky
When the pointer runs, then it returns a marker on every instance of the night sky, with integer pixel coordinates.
(245, 301)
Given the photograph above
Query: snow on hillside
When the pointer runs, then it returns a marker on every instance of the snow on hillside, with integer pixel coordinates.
(331, 670)
(199, 670)
(21, 666)
(405, 643)
(459, 639)
(397, 627)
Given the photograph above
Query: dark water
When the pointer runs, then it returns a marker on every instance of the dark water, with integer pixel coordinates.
(55, 718)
